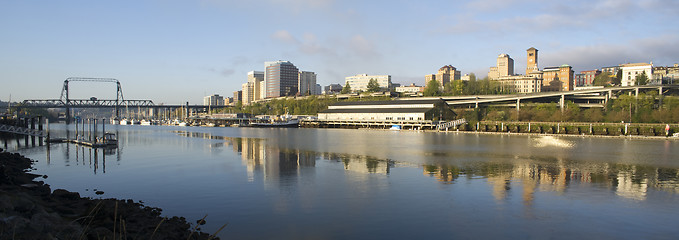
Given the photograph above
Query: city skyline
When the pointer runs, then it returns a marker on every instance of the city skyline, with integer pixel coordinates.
(177, 51)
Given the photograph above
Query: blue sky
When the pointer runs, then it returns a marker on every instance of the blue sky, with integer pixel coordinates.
(173, 51)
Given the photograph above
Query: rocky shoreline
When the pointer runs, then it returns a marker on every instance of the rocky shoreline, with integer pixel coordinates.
(29, 209)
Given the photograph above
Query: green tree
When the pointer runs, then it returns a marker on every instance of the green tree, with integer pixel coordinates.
(642, 79)
(432, 89)
(454, 88)
(618, 78)
(472, 77)
(346, 89)
(602, 79)
(373, 86)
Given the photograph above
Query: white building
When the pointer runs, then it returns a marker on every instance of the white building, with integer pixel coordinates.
(257, 80)
(213, 100)
(630, 72)
(307, 83)
(248, 90)
(409, 89)
(360, 82)
(389, 111)
(521, 83)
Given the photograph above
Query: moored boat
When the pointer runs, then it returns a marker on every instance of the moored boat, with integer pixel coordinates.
(287, 124)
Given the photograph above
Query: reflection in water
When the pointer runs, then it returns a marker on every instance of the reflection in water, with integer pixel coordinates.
(629, 181)
(276, 163)
(88, 156)
(345, 184)
(526, 175)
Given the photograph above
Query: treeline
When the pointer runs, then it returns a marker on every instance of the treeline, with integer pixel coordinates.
(484, 86)
(647, 108)
(296, 106)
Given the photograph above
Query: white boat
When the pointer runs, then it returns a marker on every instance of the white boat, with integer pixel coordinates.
(285, 121)
(124, 122)
(135, 122)
(287, 124)
(146, 122)
(182, 124)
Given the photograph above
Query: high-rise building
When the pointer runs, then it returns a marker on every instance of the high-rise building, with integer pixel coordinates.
(307, 83)
(257, 78)
(532, 61)
(444, 76)
(248, 93)
(318, 89)
(237, 96)
(213, 100)
(280, 79)
(360, 82)
(504, 67)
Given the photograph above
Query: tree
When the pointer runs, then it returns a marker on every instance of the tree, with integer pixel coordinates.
(472, 77)
(602, 79)
(373, 86)
(346, 89)
(618, 78)
(432, 89)
(455, 87)
(642, 79)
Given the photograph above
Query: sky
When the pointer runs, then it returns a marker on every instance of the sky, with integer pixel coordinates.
(174, 51)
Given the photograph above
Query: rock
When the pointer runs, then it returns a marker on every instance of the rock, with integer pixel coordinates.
(61, 193)
(99, 192)
(23, 205)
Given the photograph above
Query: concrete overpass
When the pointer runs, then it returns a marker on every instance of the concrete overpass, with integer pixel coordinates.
(584, 98)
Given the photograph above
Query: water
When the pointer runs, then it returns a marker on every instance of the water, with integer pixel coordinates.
(373, 184)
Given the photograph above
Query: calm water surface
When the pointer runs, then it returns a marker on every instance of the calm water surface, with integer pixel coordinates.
(372, 184)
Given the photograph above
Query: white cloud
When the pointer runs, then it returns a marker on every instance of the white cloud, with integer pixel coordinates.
(284, 36)
(662, 50)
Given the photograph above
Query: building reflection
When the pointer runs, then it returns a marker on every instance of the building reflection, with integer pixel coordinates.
(525, 176)
(529, 176)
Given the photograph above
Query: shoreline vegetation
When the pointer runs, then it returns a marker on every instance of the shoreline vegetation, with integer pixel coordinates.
(29, 209)
(646, 108)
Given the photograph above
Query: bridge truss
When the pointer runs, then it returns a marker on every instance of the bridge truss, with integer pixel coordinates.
(65, 101)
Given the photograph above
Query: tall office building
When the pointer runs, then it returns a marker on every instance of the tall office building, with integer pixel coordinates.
(444, 76)
(307, 83)
(532, 61)
(504, 67)
(237, 96)
(252, 88)
(280, 79)
(248, 90)
(213, 100)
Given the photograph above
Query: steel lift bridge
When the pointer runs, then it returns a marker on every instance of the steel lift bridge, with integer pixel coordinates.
(66, 102)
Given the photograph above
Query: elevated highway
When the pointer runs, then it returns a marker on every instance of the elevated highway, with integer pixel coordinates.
(584, 98)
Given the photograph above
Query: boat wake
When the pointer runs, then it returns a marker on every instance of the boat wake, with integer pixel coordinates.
(549, 141)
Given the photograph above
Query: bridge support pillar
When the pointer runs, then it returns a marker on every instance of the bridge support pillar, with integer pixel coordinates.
(660, 91)
(68, 115)
(32, 128)
(636, 92)
(562, 102)
(518, 104)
